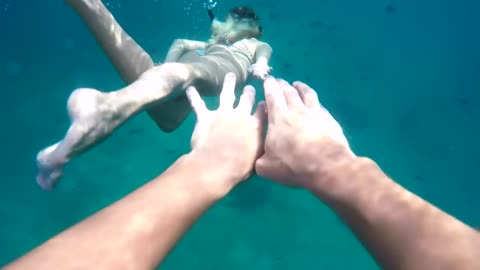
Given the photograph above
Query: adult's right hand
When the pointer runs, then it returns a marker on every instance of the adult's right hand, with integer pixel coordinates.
(303, 139)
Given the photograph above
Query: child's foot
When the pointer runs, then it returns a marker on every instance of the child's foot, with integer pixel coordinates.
(94, 116)
(50, 170)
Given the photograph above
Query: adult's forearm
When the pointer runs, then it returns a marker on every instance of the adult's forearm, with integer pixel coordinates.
(400, 230)
(136, 232)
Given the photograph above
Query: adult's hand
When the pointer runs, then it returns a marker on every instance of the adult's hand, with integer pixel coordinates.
(229, 138)
(302, 138)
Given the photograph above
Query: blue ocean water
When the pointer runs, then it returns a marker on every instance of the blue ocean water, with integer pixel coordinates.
(399, 75)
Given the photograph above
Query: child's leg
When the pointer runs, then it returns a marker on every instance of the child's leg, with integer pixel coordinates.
(129, 59)
(95, 115)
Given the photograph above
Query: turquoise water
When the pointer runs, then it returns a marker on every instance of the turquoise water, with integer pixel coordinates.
(400, 76)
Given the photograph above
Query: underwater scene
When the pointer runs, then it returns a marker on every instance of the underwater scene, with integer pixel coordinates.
(400, 76)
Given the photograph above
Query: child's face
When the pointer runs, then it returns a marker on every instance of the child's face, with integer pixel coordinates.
(232, 28)
(221, 28)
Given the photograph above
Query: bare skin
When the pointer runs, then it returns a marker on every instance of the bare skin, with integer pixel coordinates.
(138, 231)
(160, 90)
(305, 147)
(127, 57)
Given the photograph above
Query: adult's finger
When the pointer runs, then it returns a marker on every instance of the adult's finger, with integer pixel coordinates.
(267, 167)
(275, 100)
(260, 116)
(247, 99)
(307, 94)
(227, 96)
(197, 103)
(261, 113)
(291, 94)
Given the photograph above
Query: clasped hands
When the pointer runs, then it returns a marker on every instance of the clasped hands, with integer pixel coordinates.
(232, 140)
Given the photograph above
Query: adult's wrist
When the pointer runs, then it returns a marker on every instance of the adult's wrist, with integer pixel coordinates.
(211, 176)
(339, 176)
(356, 184)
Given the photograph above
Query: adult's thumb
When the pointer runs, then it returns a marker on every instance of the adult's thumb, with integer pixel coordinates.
(263, 166)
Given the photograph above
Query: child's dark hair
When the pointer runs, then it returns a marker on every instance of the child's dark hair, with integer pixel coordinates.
(241, 12)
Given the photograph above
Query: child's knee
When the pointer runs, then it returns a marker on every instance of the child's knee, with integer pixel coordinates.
(174, 70)
(172, 74)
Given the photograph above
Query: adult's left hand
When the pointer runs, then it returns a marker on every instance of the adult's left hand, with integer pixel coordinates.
(228, 139)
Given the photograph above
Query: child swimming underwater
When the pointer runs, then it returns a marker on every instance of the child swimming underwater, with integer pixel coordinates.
(234, 46)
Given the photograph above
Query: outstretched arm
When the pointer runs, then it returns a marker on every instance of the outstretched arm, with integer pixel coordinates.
(399, 229)
(181, 46)
(263, 53)
(138, 231)
(306, 147)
